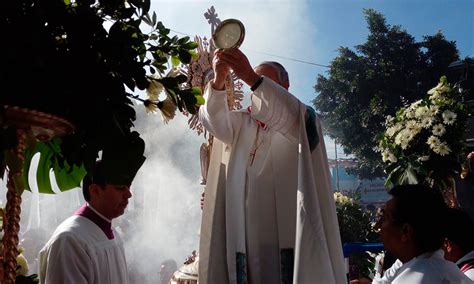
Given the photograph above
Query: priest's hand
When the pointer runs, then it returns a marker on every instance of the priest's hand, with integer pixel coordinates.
(221, 70)
(240, 64)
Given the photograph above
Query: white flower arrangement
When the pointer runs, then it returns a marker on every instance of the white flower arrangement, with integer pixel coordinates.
(424, 141)
(342, 200)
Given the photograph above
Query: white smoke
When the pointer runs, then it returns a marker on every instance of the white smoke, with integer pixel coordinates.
(166, 214)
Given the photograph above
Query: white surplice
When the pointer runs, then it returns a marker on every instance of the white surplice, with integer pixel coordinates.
(267, 192)
(80, 252)
(430, 268)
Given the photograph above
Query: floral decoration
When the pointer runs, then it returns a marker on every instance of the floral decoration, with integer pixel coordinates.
(424, 142)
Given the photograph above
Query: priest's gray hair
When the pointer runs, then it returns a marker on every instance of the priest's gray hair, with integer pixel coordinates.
(282, 74)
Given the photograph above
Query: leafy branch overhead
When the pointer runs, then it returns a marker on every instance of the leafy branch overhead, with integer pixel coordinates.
(83, 60)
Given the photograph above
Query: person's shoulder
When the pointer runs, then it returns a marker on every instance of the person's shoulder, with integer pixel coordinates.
(70, 228)
(439, 269)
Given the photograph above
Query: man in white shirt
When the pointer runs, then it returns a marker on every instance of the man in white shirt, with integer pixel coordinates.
(85, 248)
(411, 227)
(459, 242)
(269, 213)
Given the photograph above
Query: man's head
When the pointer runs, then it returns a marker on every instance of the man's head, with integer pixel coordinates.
(107, 198)
(459, 234)
(274, 71)
(410, 223)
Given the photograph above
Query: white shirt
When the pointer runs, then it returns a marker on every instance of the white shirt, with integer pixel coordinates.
(389, 274)
(80, 252)
(430, 268)
(470, 272)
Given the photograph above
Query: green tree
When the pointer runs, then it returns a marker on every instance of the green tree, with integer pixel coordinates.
(364, 85)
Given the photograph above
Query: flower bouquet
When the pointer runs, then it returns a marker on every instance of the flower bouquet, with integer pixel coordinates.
(424, 142)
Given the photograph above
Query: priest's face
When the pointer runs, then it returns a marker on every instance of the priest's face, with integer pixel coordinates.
(111, 200)
(272, 73)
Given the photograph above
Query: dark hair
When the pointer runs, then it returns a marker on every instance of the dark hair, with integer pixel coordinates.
(282, 73)
(97, 176)
(422, 208)
(459, 229)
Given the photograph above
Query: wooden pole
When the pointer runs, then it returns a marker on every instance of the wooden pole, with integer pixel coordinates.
(12, 214)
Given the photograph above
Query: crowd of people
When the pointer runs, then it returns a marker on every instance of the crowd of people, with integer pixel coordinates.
(268, 213)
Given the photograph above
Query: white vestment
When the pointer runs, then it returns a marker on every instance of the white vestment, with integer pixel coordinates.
(430, 268)
(268, 197)
(80, 252)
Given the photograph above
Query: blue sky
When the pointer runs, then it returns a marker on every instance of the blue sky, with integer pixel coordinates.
(313, 30)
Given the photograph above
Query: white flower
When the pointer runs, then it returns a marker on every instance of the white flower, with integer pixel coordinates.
(399, 139)
(22, 265)
(389, 119)
(433, 141)
(423, 158)
(342, 199)
(388, 156)
(410, 113)
(416, 104)
(154, 89)
(437, 91)
(412, 124)
(426, 122)
(393, 129)
(439, 129)
(421, 111)
(403, 138)
(433, 110)
(442, 149)
(414, 127)
(449, 117)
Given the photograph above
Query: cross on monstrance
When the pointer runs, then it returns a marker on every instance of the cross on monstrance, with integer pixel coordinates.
(212, 18)
(199, 72)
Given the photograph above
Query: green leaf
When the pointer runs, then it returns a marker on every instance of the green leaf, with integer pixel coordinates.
(408, 176)
(146, 6)
(191, 45)
(189, 100)
(200, 100)
(68, 177)
(194, 54)
(184, 56)
(196, 91)
(44, 168)
(153, 21)
(183, 40)
(181, 78)
(146, 19)
(175, 60)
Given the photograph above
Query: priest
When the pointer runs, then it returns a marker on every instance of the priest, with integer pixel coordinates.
(85, 248)
(269, 213)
